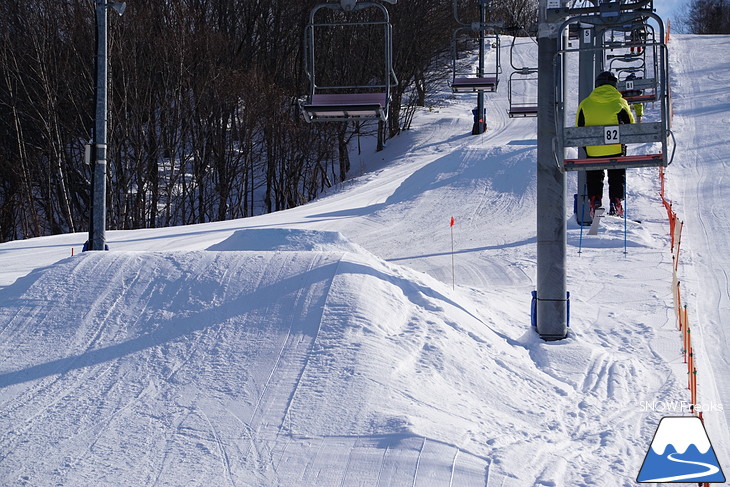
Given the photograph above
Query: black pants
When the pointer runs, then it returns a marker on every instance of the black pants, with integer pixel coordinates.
(616, 184)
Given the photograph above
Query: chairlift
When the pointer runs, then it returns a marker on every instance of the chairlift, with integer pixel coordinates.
(638, 133)
(638, 90)
(629, 39)
(521, 88)
(469, 81)
(636, 83)
(368, 100)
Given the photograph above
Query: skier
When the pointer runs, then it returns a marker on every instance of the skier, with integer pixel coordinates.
(605, 106)
(638, 107)
(636, 39)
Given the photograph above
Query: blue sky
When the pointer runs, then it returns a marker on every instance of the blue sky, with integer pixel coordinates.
(668, 9)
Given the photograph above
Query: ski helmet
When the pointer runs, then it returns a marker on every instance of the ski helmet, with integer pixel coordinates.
(606, 78)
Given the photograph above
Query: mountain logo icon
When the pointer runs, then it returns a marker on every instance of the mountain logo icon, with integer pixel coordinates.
(680, 452)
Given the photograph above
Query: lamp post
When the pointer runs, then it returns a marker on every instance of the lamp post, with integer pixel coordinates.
(97, 238)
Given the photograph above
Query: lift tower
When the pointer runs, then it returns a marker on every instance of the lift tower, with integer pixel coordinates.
(551, 298)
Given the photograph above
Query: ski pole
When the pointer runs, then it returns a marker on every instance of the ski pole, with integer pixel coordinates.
(626, 210)
(582, 218)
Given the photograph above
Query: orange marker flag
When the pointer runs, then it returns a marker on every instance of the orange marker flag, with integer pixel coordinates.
(452, 222)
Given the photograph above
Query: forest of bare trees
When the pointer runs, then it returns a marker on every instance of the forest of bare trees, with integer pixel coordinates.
(706, 17)
(203, 117)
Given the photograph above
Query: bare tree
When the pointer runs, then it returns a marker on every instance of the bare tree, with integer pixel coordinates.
(706, 17)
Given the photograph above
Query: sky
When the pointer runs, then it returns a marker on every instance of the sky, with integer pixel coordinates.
(668, 9)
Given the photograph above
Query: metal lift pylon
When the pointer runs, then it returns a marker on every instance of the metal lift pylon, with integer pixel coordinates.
(550, 301)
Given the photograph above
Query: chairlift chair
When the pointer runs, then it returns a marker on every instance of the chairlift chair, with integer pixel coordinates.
(348, 102)
(469, 82)
(639, 90)
(634, 62)
(638, 133)
(521, 104)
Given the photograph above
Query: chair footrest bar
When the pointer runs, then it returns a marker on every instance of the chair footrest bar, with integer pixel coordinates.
(614, 162)
(525, 111)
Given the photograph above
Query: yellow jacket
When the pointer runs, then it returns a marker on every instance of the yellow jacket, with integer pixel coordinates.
(604, 106)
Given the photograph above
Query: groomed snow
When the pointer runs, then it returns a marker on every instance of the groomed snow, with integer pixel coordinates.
(326, 345)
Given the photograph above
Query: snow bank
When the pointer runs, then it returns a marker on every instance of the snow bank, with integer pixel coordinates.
(200, 366)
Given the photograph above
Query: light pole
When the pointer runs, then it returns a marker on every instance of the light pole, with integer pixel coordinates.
(97, 238)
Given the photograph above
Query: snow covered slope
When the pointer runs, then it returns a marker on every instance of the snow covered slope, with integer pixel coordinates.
(325, 345)
(700, 187)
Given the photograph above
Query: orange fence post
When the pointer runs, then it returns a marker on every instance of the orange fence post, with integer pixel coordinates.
(669, 30)
(687, 342)
(672, 223)
(661, 182)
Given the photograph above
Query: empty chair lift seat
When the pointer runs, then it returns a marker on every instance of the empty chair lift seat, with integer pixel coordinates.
(523, 111)
(632, 98)
(471, 84)
(333, 106)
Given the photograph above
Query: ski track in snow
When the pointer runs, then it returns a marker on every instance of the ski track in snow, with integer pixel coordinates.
(324, 345)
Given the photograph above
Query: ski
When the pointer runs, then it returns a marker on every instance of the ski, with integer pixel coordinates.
(596, 221)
